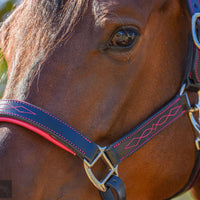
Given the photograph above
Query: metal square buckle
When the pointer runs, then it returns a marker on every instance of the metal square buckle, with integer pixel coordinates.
(88, 168)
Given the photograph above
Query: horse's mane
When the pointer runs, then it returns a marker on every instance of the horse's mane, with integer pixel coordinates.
(36, 27)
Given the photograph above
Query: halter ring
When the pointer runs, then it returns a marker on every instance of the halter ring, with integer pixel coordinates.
(195, 17)
(88, 168)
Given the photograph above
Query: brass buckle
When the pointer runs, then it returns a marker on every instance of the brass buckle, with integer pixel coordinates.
(195, 17)
(88, 168)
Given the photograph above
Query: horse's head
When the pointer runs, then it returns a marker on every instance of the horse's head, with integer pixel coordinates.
(103, 67)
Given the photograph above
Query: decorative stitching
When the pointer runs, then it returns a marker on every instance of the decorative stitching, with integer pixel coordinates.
(153, 127)
(17, 109)
(27, 104)
(151, 137)
(119, 143)
(13, 114)
(191, 7)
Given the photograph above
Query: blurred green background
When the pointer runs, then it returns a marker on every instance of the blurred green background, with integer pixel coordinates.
(5, 7)
(186, 196)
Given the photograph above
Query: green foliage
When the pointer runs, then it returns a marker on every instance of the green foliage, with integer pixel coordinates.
(3, 74)
(186, 196)
(4, 10)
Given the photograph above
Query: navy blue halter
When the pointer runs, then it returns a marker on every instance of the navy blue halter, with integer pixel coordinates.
(65, 136)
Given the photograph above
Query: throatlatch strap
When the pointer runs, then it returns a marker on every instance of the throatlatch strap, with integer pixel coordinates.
(48, 126)
(193, 177)
(139, 136)
(193, 81)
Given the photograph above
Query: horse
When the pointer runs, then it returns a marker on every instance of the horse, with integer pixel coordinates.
(103, 67)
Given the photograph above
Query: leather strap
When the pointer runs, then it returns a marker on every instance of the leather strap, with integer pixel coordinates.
(51, 127)
(116, 184)
(142, 134)
(192, 78)
(193, 177)
(193, 74)
(64, 135)
(195, 173)
(70, 139)
(22, 112)
(193, 6)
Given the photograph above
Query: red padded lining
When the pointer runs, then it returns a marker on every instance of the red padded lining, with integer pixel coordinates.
(38, 131)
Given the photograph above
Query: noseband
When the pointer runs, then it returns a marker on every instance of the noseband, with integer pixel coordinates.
(68, 138)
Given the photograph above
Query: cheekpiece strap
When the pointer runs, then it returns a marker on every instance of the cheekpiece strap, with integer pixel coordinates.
(193, 74)
(146, 131)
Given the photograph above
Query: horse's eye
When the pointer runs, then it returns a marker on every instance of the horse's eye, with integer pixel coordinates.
(124, 38)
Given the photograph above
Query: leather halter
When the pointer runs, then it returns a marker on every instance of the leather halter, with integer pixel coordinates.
(65, 136)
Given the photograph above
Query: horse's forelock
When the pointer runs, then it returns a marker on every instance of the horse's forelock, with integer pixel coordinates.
(37, 26)
(34, 30)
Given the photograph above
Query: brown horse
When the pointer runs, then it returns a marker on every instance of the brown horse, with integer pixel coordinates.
(67, 58)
